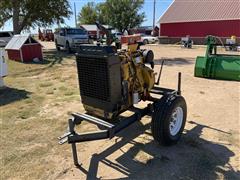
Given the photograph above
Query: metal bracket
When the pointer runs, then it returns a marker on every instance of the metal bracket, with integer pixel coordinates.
(63, 139)
(163, 91)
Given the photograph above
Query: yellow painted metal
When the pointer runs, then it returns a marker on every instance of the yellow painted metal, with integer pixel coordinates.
(132, 48)
(140, 78)
(149, 77)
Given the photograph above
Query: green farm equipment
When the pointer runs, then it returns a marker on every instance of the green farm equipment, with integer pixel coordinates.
(217, 66)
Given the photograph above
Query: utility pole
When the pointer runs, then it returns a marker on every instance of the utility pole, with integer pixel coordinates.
(154, 7)
(75, 15)
(98, 33)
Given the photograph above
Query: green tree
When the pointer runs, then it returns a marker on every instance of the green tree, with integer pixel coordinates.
(124, 14)
(88, 14)
(91, 12)
(32, 13)
(120, 14)
(101, 13)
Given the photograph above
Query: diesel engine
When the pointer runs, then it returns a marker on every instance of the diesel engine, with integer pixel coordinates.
(112, 81)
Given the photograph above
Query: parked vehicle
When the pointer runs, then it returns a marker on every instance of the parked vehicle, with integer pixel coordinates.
(46, 35)
(147, 39)
(70, 38)
(5, 37)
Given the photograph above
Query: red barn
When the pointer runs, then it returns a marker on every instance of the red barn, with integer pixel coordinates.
(200, 18)
(24, 48)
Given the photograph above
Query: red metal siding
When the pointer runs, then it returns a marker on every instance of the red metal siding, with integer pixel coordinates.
(94, 33)
(30, 51)
(14, 55)
(201, 29)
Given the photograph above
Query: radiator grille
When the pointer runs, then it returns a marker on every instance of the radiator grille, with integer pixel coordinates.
(94, 77)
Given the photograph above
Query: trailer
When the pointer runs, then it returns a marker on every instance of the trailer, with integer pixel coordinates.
(171, 100)
(113, 81)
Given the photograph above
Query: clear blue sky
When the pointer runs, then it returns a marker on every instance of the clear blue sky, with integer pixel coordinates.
(161, 6)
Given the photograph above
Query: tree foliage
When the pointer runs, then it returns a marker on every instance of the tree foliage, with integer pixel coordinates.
(32, 13)
(120, 14)
(92, 12)
(124, 14)
(101, 13)
(88, 14)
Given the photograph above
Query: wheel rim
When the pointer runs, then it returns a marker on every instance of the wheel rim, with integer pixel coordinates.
(176, 121)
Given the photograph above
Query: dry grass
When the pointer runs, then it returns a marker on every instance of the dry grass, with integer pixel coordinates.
(30, 111)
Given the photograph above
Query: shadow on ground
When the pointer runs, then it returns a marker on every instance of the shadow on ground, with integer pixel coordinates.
(192, 158)
(9, 95)
(174, 61)
(53, 57)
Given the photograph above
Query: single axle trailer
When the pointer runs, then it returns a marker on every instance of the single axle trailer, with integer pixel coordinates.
(168, 120)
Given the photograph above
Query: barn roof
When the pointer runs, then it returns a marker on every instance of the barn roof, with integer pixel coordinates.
(17, 41)
(92, 27)
(201, 10)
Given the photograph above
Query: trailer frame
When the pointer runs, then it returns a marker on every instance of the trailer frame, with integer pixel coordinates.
(110, 129)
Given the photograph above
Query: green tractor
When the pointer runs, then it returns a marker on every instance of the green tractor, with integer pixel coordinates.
(217, 66)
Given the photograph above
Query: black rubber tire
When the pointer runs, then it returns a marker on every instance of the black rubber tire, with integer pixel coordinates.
(57, 47)
(145, 41)
(161, 119)
(68, 48)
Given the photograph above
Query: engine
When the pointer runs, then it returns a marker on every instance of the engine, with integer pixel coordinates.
(110, 81)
